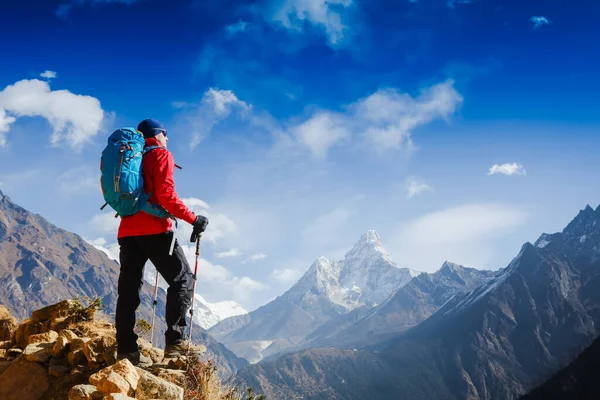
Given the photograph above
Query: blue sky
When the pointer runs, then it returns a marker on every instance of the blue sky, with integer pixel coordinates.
(456, 129)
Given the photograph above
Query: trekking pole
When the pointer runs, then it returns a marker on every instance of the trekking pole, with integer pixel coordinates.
(194, 290)
(154, 309)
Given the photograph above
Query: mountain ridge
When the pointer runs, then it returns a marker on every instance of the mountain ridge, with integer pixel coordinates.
(327, 290)
(496, 342)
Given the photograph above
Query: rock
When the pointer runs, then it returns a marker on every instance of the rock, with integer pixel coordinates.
(25, 330)
(125, 370)
(85, 392)
(177, 363)
(155, 354)
(117, 396)
(4, 365)
(170, 375)
(4, 313)
(8, 324)
(151, 387)
(60, 346)
(52, 312)
(38, 352)
(78, 344)
(68, 334)
(75, 358)
(46, 337)
(110, 355)
(113, 383)
(94, 349)
(58, 371)
(14, 352)
(23, 380)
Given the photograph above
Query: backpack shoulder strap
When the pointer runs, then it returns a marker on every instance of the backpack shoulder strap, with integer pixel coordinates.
(150, 148)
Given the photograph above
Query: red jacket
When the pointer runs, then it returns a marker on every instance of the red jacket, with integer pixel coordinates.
(157, 168)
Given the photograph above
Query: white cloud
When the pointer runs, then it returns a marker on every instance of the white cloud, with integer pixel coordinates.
(258, 256)
(5, 122)
(507, 169)
(75, 119)
(229, 253)
(111, 250)
(215, 106)
(218, 279)
(219, 225)
(415, 187)
(385, 118)
(48, 74)
(464, 234)
(105, 223)
(286, 275)
(540, 21)
(321, 132)
(323, 13)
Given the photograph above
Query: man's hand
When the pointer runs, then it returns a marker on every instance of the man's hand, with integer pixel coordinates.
(199, 226)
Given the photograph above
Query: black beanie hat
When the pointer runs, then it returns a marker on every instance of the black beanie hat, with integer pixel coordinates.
(150, 128)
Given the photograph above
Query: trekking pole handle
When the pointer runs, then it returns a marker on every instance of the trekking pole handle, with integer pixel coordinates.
(198, 244)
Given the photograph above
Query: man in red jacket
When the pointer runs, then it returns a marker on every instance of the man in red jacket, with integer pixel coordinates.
(144, 237)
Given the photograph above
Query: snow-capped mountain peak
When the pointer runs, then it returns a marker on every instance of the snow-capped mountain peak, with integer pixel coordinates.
(368, 249)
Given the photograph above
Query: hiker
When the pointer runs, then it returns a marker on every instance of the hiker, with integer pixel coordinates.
(144, 237)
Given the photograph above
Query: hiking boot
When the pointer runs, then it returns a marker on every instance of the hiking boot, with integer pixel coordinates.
(136, 358)
(183, 348)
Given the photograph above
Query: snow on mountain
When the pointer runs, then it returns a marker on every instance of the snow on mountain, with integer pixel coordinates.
(366, 276)
(205, 314)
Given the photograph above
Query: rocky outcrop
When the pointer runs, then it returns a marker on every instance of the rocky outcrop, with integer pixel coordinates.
(8, 324)
(64, 352)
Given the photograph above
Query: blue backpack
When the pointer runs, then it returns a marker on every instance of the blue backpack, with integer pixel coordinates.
(122, 181)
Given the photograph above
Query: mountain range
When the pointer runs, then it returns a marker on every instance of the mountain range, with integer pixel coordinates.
(41, 264)
(328, 290)
(496, 341)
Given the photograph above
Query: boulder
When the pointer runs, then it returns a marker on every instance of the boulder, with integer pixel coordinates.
(75, 358)
(177, 363)
(117, 396)
(151, 387)
(68, 334)
(94, 349)
(52, 312)
(78, 344)
(60, 346)
(8, 324)
(23, 380)
(25, 330)
(110, 355)
(58, 371)
(174, 376)
(105, 381)
(85, 392)
(4, 313)
(155, 354)
(113, 383)
(14, 352)
(4, 365)
(38, 352)
(46, 337)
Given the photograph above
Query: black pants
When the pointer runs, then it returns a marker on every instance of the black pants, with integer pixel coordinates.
(135, 251)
